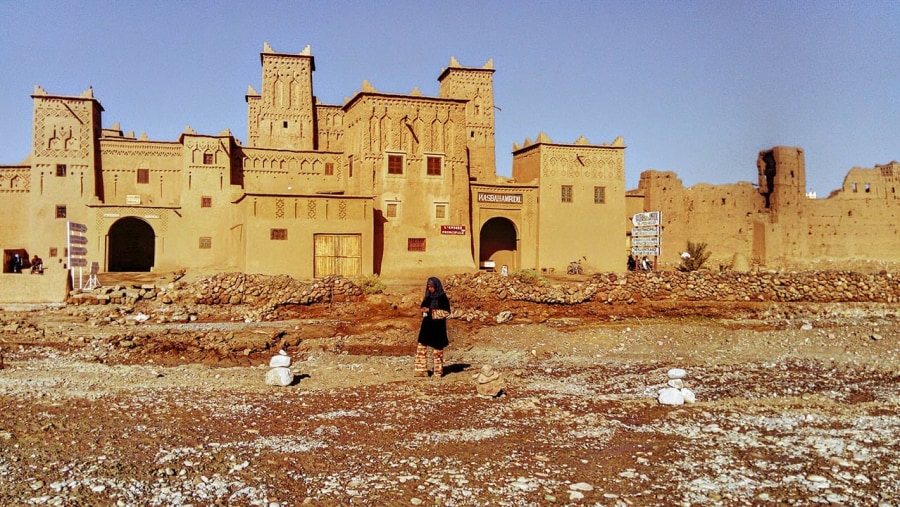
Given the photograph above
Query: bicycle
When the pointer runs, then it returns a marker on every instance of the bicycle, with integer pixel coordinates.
(575, 268)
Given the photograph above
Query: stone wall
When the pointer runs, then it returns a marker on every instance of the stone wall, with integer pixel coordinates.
(268, 292)
(819, 286)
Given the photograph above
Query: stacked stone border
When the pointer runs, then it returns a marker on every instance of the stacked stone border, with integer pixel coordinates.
(614, 288)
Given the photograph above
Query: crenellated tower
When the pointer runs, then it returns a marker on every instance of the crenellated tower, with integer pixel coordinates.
(283, 116)
(476, 86)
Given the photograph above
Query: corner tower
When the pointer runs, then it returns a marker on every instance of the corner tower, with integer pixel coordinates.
(782, 177)
(476, 86)
(283, 116)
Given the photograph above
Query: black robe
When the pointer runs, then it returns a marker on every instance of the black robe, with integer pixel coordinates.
(433, 332)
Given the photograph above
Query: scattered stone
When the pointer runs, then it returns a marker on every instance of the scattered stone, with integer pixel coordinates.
(281, 360)
(676, 373)
(488, 382)
(670, 396)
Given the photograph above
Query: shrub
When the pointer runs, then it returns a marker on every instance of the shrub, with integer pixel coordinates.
(697, 257)
(370, 284)
(530, 276)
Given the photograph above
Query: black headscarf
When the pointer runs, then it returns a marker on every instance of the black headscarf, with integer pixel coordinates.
(438, 291)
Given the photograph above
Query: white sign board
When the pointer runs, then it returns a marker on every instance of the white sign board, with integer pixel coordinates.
(645, 231)
(640, 251)
(647, 218)
(132, 199)
(649, 241)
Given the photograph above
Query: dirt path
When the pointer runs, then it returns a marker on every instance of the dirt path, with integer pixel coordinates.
(796, 405)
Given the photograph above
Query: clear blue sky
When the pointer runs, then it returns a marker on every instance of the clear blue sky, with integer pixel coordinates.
(695, 87)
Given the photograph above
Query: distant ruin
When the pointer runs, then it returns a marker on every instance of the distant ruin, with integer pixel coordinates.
(773, 223)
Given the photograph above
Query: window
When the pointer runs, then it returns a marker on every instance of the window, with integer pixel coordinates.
(415, 244)
(433, 166)
(143, 175)
(53, 252)
(285, 124)
(440, 211)
(391, 211)
(350, 166)
(329, 168)
(206, 202)
(60, 169)
(599, 195)
(60, 211)
(205, 242)
(278, 234)
(566, 193)
(207, 158)
(395, 164)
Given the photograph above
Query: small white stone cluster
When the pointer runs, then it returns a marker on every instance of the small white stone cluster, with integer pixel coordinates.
(676, 393)
(280, 373)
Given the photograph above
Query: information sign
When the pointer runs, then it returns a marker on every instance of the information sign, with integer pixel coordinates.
(647, 218)
(640, 251)
(648, 241)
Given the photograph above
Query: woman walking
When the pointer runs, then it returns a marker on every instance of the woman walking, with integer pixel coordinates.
(435, 309)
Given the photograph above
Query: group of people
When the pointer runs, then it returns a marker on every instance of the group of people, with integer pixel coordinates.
(15, 264)
(643, 264)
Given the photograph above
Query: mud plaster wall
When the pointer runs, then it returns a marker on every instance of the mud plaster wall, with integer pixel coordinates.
(733, 219)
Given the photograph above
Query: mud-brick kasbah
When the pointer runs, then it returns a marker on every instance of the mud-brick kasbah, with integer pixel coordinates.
(399, 184)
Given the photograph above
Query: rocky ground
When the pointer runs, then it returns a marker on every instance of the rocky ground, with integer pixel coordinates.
(796, 405)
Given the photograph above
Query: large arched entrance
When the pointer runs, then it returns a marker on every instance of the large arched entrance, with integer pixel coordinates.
(497, 242)
(132, 245)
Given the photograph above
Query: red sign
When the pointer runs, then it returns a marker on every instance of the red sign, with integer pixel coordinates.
(454, 230)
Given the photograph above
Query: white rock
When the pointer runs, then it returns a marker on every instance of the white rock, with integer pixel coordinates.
(279, 376)
(677, 383)
(677, 373)
(280, 361)
(670, 396)
(576, 495)
(581, 486)
(688, 395)
(806, 327)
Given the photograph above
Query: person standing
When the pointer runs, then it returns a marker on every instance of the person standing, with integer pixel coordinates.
(435, 309)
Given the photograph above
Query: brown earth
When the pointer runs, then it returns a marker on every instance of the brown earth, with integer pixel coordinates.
(796, 405)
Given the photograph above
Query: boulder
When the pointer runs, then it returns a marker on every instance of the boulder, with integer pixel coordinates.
(279, 376)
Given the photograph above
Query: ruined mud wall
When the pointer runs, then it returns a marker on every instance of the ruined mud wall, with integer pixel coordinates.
(774, 224)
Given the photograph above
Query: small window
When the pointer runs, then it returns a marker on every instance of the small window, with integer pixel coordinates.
(350, 166)
(853, 186)
(206, 202)
(53, 252)
(440, 211)
(329, 168)
(207, 158)
(433, 167)
(285, 124)
(143, 175)
(566, 193)
(599, 195)
(395, 164)
(60, 211)
(205, 242)
(60, 169)
(415, 244)
(867, 187)
(278, 234)
(391, 211)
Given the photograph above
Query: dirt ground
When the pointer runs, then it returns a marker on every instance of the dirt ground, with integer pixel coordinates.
(796, 405)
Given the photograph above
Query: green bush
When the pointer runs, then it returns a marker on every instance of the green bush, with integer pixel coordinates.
(698, 255)
(530, 276)
(370, 284)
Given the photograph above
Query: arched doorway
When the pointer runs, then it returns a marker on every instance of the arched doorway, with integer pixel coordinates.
(132, 245)
(497, 242)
